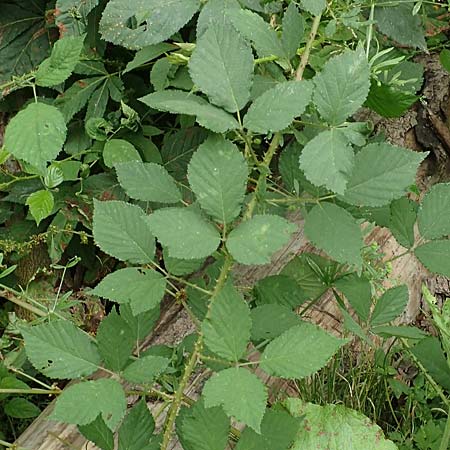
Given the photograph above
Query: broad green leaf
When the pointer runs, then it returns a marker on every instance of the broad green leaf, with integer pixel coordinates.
(119, 151)
(240, 393)
(407, 332)
(71, 16)
(98, 433)
(36, 134)
(402, 220)
(53, 177)
(294, 179)
(335, 427)
(137, 428)
(135, 24)
(342, 86)
(140, 324)
(147, 54)
(399, 24)
(315, 7)
(180, 102)
(61, 63)
(159, 75)
(200, 428)
(358, 292)
(434, 213)
(271, 320)
(350, 324)
(145, 369)
(98, 102)
(327, 160)
(444, 58)
(226, 329)
(293, 30)
(81, 403)
(186, 234)
(20, 408)
(179, 267)
(221, 66)
(215, 12)
(279, 290)
(115, 341)
(120, 230)
(278, 107)
(217, 174)
(59, 349)
(278, 430)
(256, 30)
(390, 305)
(255, 241)
(300, 351)
(41, 204)
(382, 172)
(143, 289)
(148, 182)
(335, 231)
(434, 256)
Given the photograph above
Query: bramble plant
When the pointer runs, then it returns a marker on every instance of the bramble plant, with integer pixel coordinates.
(249, 115)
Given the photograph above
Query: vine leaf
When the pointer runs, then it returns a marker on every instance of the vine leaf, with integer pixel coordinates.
(104, 396)
(184, 232)
(381, 173)
(41, 204)
(99, 433)
(148, 182)
(143, 289)
(277, 107)
(390, 305)
(217, 174)
(300, 351)
(227, 328)
(240, 393)
(36, 134)
(255, 241)
(137, 428)
(335, 231)
(180, 102)
(60, 350)
(342, 86)
(136, 24)
(146, 369)
(327, 160)
(222, 67)
(434, 256)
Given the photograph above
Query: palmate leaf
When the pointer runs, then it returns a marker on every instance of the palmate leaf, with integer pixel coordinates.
(137, 23)
(222, 67)
(137, 428)
(36, 134)
(61, 350)
(434, 256)
(240, 393)
(390, 305)
(215, 12)
(217, 174)
(300, 351)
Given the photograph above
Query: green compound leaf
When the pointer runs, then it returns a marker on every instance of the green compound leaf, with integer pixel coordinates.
(115, 341)
(240, 393)
(434, 213)
(335, 231)
(148, 182)
(315, 7)
(227, 328)
(293, 30)
(61, 63)
(118, 151)
(402, 221)
(217, 174)
(335, 427)
(81, 403)
(300, 351)
(327, 160)
(390, 305)
(137, 428)
(221, 66)
(61, 350)
(146, 369)
(137, 23)
(434, 256)
(41, 204)
(36, 134)
(120, 230)
(381, 173)
(255, 241)
(99, 433)
(215, 13)
(200, 428)
(186, 234)
(143, 289)
(342, 86)
(276, 108)
(180, 102)
(256, 30)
